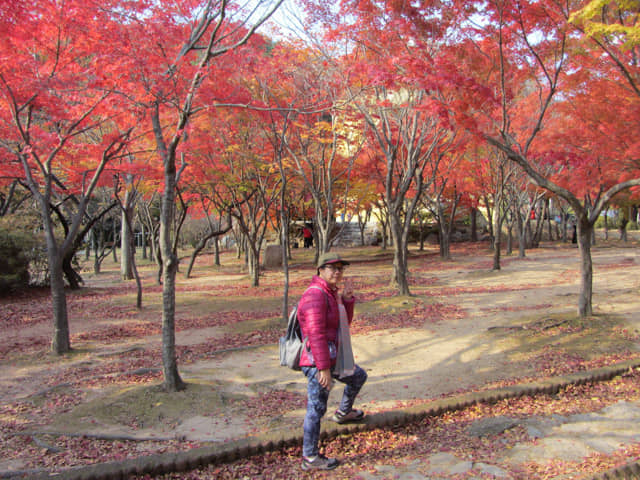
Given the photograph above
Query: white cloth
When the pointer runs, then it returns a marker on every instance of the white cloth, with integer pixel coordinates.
(345, 364)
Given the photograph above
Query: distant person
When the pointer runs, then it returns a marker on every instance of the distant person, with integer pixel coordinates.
(325, 312)
(307, 235)
(574, 235)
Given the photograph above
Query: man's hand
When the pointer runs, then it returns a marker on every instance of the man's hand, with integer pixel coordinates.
(324, 378)
(347, 290)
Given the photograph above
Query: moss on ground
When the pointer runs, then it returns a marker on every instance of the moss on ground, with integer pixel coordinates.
(148, 406)
(589, 338)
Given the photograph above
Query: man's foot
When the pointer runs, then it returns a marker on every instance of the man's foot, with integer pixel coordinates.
(352, 416)
(320, 462)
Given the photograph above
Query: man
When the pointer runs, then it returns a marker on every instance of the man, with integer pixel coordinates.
(325, 312)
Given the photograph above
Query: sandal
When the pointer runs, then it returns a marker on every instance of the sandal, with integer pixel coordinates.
(352, 416)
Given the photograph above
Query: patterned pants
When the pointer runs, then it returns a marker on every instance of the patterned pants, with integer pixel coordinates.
(317, 398)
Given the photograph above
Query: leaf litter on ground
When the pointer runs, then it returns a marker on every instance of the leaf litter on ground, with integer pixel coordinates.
(82, 371)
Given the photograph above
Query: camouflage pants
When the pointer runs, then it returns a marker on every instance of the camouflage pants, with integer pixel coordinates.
(317, 398)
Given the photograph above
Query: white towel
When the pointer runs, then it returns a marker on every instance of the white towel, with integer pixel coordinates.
(345, 364)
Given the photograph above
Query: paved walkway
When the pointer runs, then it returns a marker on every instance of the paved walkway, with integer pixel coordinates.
(557, 438)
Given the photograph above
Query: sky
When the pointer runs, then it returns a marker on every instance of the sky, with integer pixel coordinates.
(286, 19)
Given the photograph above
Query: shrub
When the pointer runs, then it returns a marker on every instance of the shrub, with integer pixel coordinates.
(20, 251)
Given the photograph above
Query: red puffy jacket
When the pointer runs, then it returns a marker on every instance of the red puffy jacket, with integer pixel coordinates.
(319, 321)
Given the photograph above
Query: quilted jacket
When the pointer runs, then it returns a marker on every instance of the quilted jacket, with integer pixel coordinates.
(319, 320)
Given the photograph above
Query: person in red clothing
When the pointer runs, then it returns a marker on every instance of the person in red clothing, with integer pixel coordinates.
(307, 235)
(325, 312)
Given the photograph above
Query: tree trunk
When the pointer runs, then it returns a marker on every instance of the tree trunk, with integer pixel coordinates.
(445, 245)
(445, 228)
(623, 229)
(490, 221)
(159, 264)
(216, 252)
(144, 240)
(321, 234)
(284, 240)
(199, 247)
(522, 237)
(564, 226)
(114, 251)
(446, 225)
(154, 245)
(214, 232)
(98, 250)
(362, 224)
(585, 229)
(497, 244)
(445, 235)
(421, 230)
(537, 236)
(172, 380)
(73, 278)
(399, 278)
(60, 343)
(126, 243)
(496, 252)
(385, 237)
(383, 219)
(528, 234)
(97, 263)
(474, 224)
(127, 217)
(87, 250)
(254, 265)
(549, 227)
(136, 275)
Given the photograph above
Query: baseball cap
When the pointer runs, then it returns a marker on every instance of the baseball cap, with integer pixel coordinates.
(330, 257)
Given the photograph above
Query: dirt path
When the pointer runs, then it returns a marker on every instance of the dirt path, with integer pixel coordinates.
(484, 342)
(461, 353)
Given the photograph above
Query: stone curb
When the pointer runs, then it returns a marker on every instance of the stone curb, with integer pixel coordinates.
(246, 447)
(626, 472)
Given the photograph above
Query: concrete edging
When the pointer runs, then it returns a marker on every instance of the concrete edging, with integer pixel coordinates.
(626, 472)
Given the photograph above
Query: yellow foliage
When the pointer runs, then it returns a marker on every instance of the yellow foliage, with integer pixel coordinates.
(602, 18)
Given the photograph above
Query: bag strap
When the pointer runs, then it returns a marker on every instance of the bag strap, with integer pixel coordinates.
(315, 287)
(292, 323)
